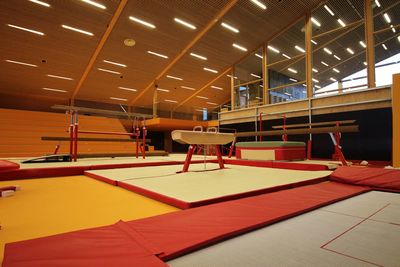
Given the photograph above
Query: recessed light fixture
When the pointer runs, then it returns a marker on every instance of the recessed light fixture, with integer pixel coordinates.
(239, 47)
(336, 70)
(188, 88)
(184, 23)
(293, 80)
(210, 70)
(323, 63)
(315, 80)
(384, 47)
(59, 77)
(157, 54)
(198, 56)
(93, 3)
(54, 90)
(119, 99)
(173, 77)
(140, 21)
(299, 48)
(109, 71)
(377, 3)
(292, 70)
(115, 63)
(216, 87)
(259, 4)
(171, 101)
(350, 50)
(333, 79)
(25, 29)
(255, 75)
(286, 56)
(258, 55)
(229, 27)
(363, 44)
(77, 30)
(20, 63)
(163, 90)
(338, 58)
(40, 3)
(341, 23)
(314, 42)
(202, 97)
(329, 10)
(212, 103)
(273, 49)
(315, 21)
(314, 70)
(387, 18)
(127, 89)
(327, 51)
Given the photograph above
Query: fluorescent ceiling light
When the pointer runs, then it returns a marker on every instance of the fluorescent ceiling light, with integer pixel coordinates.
(59, 77)
(175, 78)
(20, 63)
(293, 80)
(93, 3)
(212, 103)
(119, 99)
(187, 87)
(127, 89)
(300, 49)
(288, 94)
(286, 56)
(377, 3)
(350, 51)
(398, 38)
(273, 49)
(77, 30)
(259, 4)
(114, 63)
(239, 47)
(171, 101)
(234, 77)
(341, 23)
(229, 27)
(25, 29)
(258, 55)
(54, 90)
(315, 80)
(336, 70)
(329, 10)
(156, 54)
(332, 79)
(387, 18)
(338, 58)
(210, 70)
(316, 22)
(363, 44)
(259, 98)
(198, 56)
(393, 29)
(292, 70)
(327, 51)
(202, 97)
(314, 42)
(323, 63)
(365, 63)
(314, 70)
(384, 46)
(40, 3)
(216, 87)
(317, 86)
(145, 23)
(163, 90)
(184, 23)
(200, 110)
(255, 75)
(109, 71)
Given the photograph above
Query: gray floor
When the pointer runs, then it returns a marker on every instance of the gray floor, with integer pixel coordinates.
(361, 231)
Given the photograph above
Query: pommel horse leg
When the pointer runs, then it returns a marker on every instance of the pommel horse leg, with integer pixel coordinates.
(188, 159)
(219, 157)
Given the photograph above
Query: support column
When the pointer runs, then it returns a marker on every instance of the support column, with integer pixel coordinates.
(168, 142)
(233, 103)
(370, 42)
(396, 120)
(155, 102)
(265, 76)
(308, 35)
(340, 86)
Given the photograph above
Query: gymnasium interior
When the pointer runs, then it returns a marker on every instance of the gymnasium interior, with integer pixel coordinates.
(200, 133)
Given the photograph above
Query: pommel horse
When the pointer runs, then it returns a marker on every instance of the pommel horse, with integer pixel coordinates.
(199, 137)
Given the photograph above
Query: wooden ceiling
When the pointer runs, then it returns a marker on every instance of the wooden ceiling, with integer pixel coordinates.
(66, 53)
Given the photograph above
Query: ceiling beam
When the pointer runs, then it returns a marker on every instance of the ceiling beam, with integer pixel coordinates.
(99, 47)
(212, 22)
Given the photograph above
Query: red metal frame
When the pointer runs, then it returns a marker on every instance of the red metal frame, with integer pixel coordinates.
(284, 136)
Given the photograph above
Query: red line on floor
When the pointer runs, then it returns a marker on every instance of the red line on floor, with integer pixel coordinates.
(349, 256)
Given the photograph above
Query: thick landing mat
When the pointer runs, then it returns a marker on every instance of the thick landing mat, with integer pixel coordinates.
(198, 187)
(174, 234)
